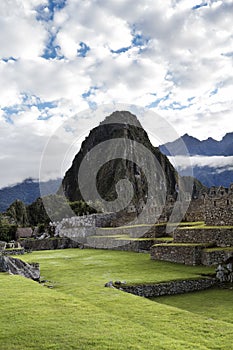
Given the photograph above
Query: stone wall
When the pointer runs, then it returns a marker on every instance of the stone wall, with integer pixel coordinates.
(78, 234)
(80, 227)
(215, 257)
(183, 254)
(98, 220)
(83, 229)
(119, 244)
(217, 215)
(17, 251)
(196, 211)
(170, 288)
(219, 237)
(214, 207)
(151, 231)
(48, 244)
(146, 231)
(219, 206)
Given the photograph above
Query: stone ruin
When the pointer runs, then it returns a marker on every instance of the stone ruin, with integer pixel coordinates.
(11, 248)
(219, 206)
(16, 266)
(209, 244)
(189, 245)
(214, 207)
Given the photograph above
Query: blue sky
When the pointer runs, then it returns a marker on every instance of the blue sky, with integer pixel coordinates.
(60, 57)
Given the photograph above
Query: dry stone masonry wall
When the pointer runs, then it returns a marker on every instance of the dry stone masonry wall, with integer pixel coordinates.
(183, 254)
(215, 257)
(219, 206)
(216, 236)
(81, 227)
(170, 288)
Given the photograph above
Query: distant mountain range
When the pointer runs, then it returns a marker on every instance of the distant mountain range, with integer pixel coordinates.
(219, 172)
(208, 147)
(27, 191)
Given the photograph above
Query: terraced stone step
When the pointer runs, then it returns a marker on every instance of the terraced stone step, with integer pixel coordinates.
(136, 231)
(120, 243)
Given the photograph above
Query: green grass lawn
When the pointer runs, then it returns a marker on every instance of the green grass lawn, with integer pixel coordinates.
(214, 303)
(80, 313)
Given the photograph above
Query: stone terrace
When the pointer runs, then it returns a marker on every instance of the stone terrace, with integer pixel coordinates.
(195, 246)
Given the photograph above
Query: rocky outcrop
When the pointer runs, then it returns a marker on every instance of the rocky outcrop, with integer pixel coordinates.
(18, 267)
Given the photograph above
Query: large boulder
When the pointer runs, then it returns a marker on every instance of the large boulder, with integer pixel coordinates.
(18, 267)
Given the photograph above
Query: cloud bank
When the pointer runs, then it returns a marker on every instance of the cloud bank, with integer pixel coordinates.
(220, 163)
(61, 57)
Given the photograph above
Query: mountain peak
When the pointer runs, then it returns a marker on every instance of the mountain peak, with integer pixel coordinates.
(30, 180)
(189, 137)
(228, 136)
(122, 117)
(119, 125)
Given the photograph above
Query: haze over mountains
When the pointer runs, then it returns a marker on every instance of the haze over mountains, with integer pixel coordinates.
(212, 160)
(27, 191)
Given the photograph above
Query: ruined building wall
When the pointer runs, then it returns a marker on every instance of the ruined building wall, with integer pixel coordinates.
(219, 211)
(214, 207)
(196, 211)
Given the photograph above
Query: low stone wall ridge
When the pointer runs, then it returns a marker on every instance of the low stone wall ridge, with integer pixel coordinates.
(170, 288)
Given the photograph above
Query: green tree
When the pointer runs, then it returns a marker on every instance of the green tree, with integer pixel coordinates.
(7, 231)
(17, 211)
(81, 208)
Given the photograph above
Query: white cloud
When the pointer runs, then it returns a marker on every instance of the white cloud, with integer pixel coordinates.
(219, 162)
(22, 35)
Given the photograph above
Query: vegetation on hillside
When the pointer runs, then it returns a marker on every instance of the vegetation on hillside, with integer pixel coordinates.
(27, 191)
(7, 230)
(43, 209)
